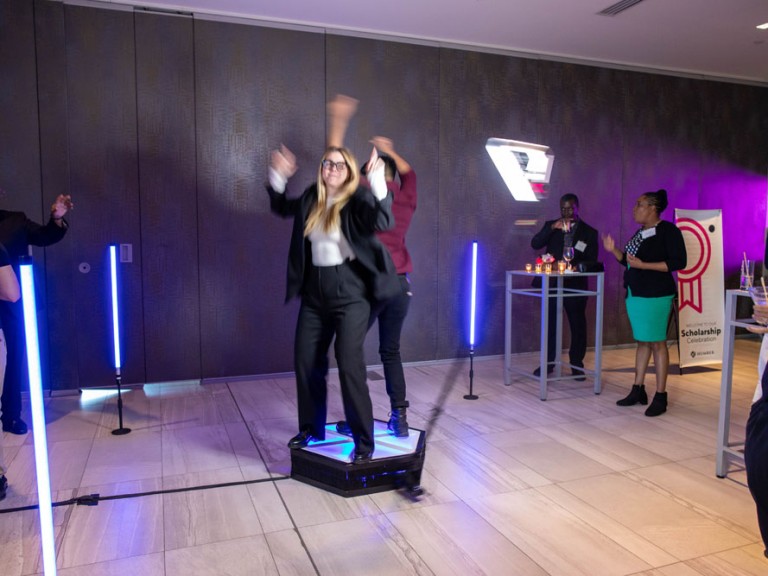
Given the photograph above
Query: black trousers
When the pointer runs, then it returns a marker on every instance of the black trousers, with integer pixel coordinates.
(756, 458)
(333, 303)
(576, 312)
(391, 316)
(12, 318)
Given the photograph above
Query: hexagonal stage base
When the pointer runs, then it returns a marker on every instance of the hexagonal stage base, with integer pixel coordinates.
(396, 463)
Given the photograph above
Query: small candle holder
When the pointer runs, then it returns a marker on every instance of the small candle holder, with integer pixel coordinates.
(548, 268)
(538, 268)
(528, 267)
(561, 266)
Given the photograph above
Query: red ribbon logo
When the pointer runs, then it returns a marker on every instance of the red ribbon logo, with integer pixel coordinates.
(689, 280)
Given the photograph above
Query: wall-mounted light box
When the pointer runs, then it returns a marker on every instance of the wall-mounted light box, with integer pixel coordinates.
(521, 164)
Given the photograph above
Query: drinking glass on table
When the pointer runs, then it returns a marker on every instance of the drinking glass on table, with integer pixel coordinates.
(568, 254)
(759, 296)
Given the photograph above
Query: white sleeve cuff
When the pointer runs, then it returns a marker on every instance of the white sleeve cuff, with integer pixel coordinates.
(277, 180)
(378, 183)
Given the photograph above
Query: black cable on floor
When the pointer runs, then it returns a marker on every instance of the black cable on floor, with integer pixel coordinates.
(94, 499)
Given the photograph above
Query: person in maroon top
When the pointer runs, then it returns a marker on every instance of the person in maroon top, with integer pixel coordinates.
(391, 313)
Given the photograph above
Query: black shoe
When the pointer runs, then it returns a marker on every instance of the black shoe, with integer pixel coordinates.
(636, 396)
(579, 373)
(362, 457)
(658, 405)
(3, 487)
(550, 369)
(342, 427)
(17, 426)
(398, 423)
(302, 439)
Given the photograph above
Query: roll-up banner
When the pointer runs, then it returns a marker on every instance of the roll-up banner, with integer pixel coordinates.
(700, 292)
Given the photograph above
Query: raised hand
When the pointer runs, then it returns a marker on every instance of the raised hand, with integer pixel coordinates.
(61, 206)
(283, 162)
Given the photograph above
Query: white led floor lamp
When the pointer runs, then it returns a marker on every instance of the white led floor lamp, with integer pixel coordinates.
(116, 337)
(38, 415)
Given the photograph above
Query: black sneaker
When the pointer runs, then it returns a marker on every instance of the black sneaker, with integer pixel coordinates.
(550, 369)
(3, 487)
(342, 427)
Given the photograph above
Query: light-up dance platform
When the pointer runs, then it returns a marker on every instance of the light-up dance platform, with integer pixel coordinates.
(396, 463)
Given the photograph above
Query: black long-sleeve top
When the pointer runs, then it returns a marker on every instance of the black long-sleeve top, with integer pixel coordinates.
(665, 245)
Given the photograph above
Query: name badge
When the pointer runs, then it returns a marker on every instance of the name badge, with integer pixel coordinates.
(648, 233)
(580, 246)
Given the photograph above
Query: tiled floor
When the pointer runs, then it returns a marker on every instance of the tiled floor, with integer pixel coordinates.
(514, 486)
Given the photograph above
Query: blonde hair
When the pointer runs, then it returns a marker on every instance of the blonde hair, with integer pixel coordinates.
(328, 217)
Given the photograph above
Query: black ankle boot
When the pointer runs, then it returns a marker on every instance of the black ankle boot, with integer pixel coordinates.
(658, 405)
(636, 396)
(398, 423)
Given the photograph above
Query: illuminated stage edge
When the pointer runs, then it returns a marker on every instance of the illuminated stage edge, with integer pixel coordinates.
(396, 463)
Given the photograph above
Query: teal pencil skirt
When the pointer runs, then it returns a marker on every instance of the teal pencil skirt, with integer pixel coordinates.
(648, 317)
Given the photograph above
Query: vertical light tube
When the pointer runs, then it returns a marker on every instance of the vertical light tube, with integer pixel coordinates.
(115, 315)
(474, 296)
(38, 418)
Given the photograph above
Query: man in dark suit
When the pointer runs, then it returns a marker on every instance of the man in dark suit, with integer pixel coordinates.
(568, 231)
(17, 232)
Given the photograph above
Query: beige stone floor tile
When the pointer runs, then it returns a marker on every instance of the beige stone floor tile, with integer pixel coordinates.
(654, 434)
(659, 517)
(554, 538)
(467, 472)
(548, 457)
(72, 418)
(454, 539)
(270, 508)
(378, 548)
(147, 565)
(20, 542)
(192, 450)
(66, 462)
(745, 561)
(195, 517)
(133, 456)
(239, 557)
(725, 502)
(289, 553)
(263, 399)
(310, 506)
(247, 451)
(613, 529)
(196, 408)
(503, 459)
(607, 449)
(114, 529)
(678, 569)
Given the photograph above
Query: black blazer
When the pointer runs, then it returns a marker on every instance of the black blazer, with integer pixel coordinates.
(552, 240)
(360, 218)
(17, 232)
(666, 245)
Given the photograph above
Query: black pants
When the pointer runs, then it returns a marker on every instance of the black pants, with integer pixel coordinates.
(756, 458)
(12, 318)
(391, 316)
(333, 303)
(576, 311)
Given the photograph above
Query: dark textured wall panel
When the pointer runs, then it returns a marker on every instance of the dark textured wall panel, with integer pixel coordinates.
(104, 168)
(397, 85)
(481, 96)
(61, 263)
(734, 155)
(169, 217)
(581, 117)
(256, 88)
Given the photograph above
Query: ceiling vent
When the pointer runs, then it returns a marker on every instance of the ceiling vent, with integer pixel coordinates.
(619, 7)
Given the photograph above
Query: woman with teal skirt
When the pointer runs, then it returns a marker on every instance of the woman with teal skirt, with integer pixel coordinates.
(655, 251)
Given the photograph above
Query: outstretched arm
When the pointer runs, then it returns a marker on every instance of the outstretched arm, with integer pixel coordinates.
(386, 146)
(340, 111)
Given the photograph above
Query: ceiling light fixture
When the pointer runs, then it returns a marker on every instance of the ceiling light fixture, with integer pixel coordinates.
(763, 26)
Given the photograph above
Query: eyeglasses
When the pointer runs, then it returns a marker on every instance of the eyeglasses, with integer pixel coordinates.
(330, 165)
